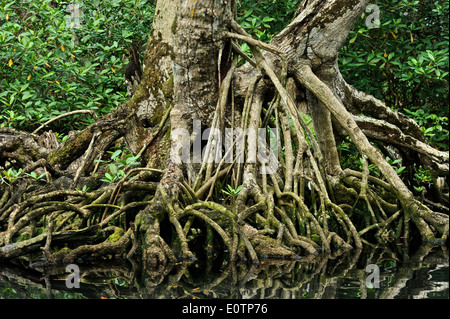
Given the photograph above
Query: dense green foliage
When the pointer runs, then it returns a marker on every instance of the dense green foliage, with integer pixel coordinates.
(48, 68)
(264, 19)
(405, 62)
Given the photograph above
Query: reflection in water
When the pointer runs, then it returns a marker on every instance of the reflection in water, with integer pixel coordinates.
(342, 275)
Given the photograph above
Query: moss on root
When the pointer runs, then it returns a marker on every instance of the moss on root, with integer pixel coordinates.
(116, 235)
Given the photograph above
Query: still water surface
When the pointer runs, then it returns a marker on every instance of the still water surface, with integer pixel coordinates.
(423, 274)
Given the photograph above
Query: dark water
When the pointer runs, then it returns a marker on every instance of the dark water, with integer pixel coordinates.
(423, 274)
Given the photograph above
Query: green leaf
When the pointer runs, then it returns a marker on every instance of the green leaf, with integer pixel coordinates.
(113, 169)
(26, 95)
(126, 33)
(42, 175)
(249, 12)
(116, 154)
